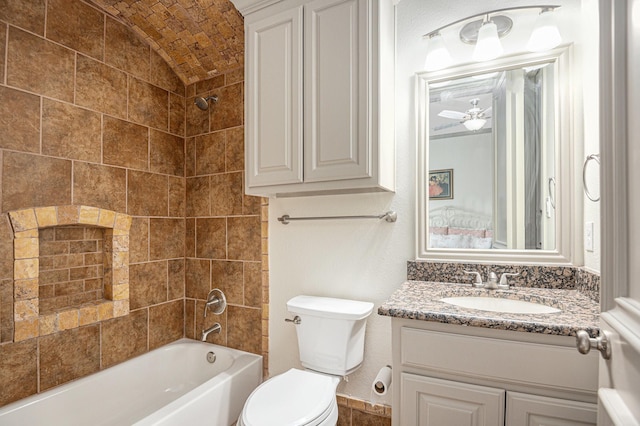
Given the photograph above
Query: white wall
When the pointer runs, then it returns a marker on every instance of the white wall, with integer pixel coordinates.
(362, 259)
(590, 99)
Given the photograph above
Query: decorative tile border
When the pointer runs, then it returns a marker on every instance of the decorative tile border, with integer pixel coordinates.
(531, 276)
(26, 224)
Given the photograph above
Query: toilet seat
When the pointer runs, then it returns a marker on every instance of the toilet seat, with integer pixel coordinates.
(293, 398)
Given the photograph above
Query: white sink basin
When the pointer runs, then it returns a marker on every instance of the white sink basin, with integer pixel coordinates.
(495, 304)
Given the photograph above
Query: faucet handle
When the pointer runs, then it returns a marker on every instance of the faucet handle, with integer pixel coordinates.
(477, 281)
(216, 302)
(504, 279)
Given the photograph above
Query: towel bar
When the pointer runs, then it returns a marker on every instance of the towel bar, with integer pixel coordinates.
(389, 216)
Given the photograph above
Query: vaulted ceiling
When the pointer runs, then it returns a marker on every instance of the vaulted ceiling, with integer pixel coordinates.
(197, 38)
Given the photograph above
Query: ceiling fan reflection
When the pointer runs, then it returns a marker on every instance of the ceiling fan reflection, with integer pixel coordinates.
(473, 119)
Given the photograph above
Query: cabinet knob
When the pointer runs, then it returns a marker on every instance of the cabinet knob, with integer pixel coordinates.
(584, 343)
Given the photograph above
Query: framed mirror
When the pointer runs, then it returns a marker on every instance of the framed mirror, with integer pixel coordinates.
(496, 161)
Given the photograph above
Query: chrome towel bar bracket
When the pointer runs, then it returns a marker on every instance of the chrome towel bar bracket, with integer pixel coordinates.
(389, 216)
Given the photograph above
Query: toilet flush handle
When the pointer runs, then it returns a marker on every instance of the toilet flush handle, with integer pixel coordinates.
(296, 320)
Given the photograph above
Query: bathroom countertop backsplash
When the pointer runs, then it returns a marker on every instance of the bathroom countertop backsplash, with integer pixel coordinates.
(575, 291)
(536, 276)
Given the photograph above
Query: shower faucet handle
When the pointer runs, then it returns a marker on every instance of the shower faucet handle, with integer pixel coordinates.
(216, 302)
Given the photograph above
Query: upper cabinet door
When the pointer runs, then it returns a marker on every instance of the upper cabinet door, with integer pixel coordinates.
(274, 99)
(336, 96)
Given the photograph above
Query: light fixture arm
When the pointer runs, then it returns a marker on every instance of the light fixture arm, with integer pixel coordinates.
(487, 14)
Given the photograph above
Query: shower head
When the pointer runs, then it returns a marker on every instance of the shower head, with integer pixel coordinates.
(203, 103)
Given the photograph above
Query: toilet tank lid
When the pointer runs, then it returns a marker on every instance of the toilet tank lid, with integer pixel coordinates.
(330, 307)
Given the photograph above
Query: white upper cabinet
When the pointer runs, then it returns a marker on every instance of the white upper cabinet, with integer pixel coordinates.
(319, 97)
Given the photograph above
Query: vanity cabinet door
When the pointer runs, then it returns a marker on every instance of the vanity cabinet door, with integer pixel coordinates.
(435, 402)
(533, 410)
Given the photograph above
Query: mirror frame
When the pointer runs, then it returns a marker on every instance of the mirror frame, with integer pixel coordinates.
(569, 202)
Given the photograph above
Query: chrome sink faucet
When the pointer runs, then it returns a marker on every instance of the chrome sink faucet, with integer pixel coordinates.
(492, 282)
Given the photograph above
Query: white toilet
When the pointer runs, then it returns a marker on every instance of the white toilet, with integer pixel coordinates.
(331, 344)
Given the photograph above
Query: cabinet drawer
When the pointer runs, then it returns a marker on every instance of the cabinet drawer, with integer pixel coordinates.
(550, 366)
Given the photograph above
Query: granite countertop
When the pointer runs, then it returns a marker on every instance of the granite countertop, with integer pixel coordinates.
(419, 300)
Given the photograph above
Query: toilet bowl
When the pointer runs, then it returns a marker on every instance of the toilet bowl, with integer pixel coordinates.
(331, 345)
(294, 398)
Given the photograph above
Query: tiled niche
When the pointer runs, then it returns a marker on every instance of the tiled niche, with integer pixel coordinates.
(71, 267)
(27, 225)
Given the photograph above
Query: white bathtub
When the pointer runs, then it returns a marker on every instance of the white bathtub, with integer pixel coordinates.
(172, 385)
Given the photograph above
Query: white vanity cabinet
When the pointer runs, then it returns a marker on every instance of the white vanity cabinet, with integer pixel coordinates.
(455, 375)
(319, 96)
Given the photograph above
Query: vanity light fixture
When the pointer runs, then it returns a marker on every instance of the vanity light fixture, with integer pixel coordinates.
(486, 33)
(438, 55)
(488, 44)
(545, 35)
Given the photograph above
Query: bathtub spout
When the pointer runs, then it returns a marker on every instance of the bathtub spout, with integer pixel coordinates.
(215, 328)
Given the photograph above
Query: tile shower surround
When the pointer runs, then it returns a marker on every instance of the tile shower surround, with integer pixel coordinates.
(91, 115)
(110, 125)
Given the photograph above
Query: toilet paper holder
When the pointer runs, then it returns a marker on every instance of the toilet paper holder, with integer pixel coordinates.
(382, 381)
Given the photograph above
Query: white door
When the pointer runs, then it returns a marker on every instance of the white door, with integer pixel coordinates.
(619, 377)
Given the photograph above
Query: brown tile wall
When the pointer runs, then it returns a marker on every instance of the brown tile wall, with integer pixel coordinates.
(89, 115)
(224, 229)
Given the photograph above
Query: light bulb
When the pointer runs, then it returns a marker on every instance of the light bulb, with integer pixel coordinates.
(488, 46)
(545, 35)
(474, 124)
(438, 56)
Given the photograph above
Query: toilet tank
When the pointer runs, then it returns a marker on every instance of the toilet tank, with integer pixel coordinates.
(330, 332)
